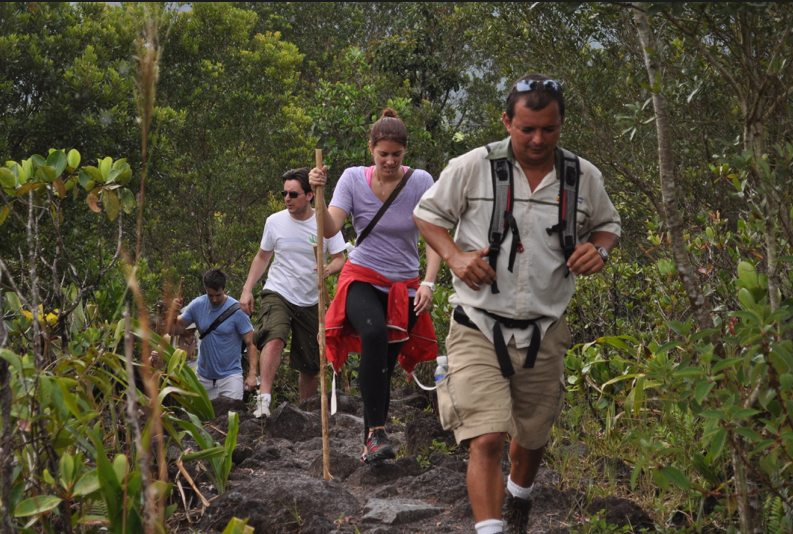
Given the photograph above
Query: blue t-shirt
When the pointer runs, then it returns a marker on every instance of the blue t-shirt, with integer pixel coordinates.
(220, 351)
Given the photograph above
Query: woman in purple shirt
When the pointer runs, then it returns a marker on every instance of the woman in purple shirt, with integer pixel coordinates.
(390, 249)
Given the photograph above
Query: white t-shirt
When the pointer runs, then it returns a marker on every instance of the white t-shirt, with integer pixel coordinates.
(292, 273)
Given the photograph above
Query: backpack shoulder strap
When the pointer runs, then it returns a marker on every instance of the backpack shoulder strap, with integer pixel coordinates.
(568, 170)
(501, 174)
(231, 310)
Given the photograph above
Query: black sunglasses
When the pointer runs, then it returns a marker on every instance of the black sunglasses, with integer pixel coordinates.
(292, 194)
(525, 86)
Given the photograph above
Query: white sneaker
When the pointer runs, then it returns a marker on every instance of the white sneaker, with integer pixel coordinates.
(262, 407)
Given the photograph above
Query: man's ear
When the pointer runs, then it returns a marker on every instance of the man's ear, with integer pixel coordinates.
(310, 200)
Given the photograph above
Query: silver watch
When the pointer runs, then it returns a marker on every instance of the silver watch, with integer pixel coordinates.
(604, 254)
(429, 285)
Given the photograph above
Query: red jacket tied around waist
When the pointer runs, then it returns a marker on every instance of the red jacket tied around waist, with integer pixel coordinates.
(421, 344)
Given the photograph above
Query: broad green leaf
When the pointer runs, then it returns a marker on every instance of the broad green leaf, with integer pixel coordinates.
(104, 167)
(7, 178)
(127, 200)
(119, 163)
(67, 470)
(120, 465)
(660, 480)
(94, 173)
(37, 505)
(676, 477)
(669, 346)
(112, 206)
(748, 433)
(689, 372)
(723, 364)
(743, 413)
(73, 158)
(713, 414)
(58, 161)
(747, 275)
(85, 180)
(38, 161)
(238, 526)
(702, 389)
(746, 299)
(88, 484)
(46, 173)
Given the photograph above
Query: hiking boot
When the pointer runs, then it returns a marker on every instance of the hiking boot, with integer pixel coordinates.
(516, 515)
(378, 448)
(262, 407)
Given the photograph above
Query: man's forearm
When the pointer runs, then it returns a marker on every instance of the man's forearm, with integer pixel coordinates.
(253, 360)
(607, 240)
(438, 238)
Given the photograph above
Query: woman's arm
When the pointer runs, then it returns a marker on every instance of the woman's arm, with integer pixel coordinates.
(334, 217)
(423, 298)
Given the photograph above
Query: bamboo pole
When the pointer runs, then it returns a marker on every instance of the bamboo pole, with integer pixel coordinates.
(319, 193)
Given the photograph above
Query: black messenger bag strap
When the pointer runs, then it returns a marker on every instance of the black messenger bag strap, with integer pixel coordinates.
(231, 310)
(395, 193)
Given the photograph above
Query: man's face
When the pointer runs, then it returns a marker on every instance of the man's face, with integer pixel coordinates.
(300, 205)
(534, 134)
(216, 296)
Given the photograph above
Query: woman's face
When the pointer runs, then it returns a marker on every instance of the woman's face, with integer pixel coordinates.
(387, 158)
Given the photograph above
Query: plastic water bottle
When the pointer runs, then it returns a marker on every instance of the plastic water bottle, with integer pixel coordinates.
(442, 369)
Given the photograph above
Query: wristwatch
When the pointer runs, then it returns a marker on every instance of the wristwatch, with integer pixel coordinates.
(429, 285)
(604, 254)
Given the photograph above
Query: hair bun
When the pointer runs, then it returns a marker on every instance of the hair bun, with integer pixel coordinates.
(389, 112)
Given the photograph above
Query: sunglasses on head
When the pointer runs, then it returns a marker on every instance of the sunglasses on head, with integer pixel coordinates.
(525, 86)
(292, 194)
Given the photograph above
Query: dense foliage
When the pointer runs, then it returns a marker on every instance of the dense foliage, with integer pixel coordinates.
(683, 360)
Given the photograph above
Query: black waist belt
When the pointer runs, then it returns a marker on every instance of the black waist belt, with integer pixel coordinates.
(502, 354)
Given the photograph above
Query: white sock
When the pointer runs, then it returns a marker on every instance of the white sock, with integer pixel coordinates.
(268, 397)
(489, 526)
(517, 491)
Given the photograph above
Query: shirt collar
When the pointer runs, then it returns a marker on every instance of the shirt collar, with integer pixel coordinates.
(502, 149)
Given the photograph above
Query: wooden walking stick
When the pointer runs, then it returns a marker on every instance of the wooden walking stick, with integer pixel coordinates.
(173, 314)
(319, 193)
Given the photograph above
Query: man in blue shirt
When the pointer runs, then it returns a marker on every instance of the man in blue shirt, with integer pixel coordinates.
(219, 368)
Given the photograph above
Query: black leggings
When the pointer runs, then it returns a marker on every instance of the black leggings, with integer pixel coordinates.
(366, 310)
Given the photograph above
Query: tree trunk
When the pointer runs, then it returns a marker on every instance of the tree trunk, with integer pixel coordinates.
(666, 165)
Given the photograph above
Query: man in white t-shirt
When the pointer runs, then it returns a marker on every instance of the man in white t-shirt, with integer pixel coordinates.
(290, 297)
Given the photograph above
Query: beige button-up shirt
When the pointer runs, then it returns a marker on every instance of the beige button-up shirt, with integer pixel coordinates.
(463, 198)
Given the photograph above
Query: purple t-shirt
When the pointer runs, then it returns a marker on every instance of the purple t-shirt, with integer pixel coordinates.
(391, 248)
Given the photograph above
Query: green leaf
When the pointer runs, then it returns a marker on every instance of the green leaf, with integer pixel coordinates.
(717, 443)
(67, 470)
(748, 433)
(7, 178)
(746, 299)
(713, 414)
(119, 163)
(744, 413)
(73, 158)
(88, 484)
(4, 214)
(127, 200)
(747, 275)
(238, 526)
(85, 180)
(112, 206)
(104, 167)
(214, 452)
(723, 364)
(702, 389)
(58, 161)
(94, 173)
(674, 476)
(37, 505)
(37, 160)
(46, 173)
(120, 465)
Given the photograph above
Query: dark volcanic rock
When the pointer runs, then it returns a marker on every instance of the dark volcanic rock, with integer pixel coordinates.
(224, 405)
(345, 403)
(621, 512)
(397, 512)
(453, 463)
(292, 423)
(280, 502)
(370, 475)
(421, 432)
(341, 465)
(439, 484)
(241, 453)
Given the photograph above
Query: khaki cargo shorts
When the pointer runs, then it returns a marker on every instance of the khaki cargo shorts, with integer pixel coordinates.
(475, 399)
(278, 318)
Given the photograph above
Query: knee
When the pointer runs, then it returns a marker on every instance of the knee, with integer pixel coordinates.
(488, 445)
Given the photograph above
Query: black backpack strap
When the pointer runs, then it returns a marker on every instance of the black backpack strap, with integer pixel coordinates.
(395, 193)
(501, 174)
(231, 310)
(568, 170)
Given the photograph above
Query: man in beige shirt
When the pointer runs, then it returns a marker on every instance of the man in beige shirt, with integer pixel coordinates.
(482, 397)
